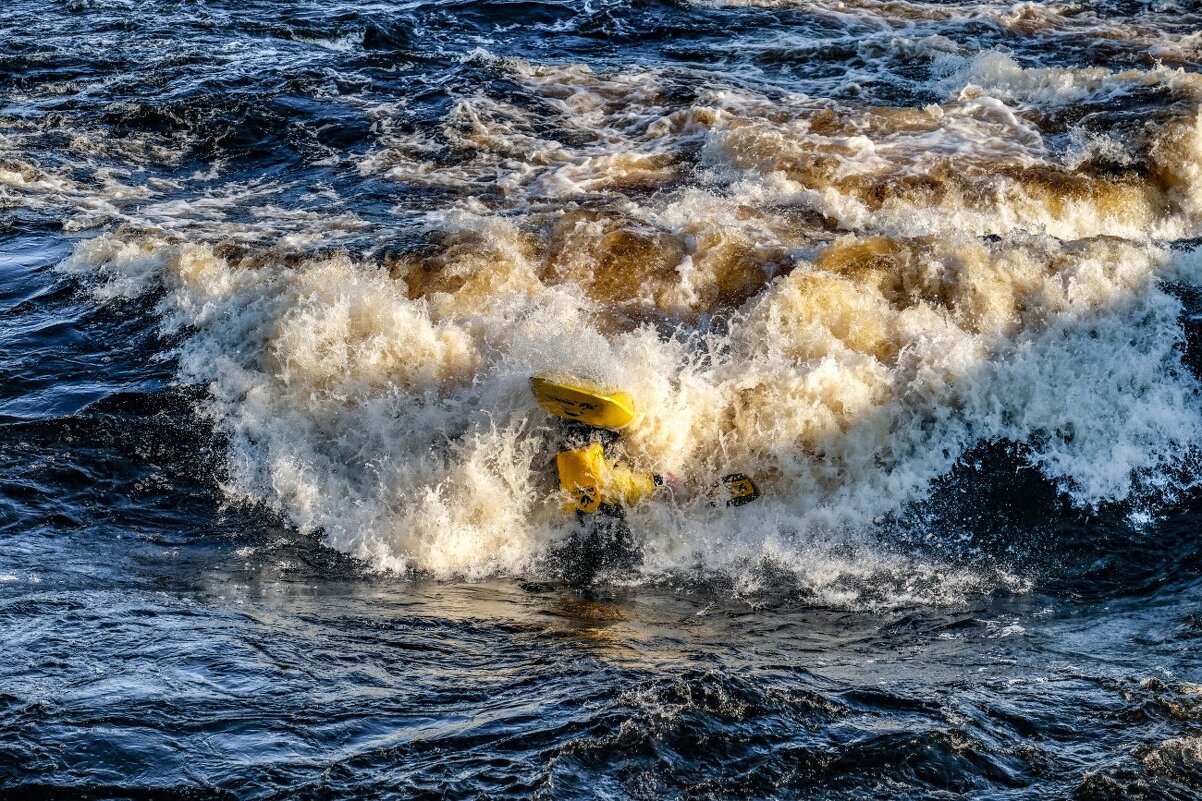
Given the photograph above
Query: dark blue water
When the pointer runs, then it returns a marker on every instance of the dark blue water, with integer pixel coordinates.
(1008, 610)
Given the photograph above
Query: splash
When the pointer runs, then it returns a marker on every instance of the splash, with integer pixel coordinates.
(398, 423)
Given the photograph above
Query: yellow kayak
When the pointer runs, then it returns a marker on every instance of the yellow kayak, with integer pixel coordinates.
(582, 401)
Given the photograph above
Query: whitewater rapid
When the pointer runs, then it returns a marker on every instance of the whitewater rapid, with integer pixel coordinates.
(794, 276)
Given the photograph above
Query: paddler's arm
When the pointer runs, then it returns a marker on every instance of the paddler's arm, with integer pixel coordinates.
(589, 479)
(627, 487)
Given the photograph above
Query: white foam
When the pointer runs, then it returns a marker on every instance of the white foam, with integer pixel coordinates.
(1000, 75)
(403, 429)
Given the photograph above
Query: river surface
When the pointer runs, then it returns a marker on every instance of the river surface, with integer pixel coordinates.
(278, 513)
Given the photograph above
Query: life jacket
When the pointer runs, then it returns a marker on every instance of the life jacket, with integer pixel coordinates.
(590, 481)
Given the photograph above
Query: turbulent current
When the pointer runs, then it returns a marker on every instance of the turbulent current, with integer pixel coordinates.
(279, 516)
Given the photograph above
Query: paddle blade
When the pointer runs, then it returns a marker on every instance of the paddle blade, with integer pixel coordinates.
(739, 489)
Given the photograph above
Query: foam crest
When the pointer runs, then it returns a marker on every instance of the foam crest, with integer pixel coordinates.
(399, 424)
(999, 75)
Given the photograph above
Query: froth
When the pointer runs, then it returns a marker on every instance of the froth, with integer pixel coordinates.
(399, 423)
